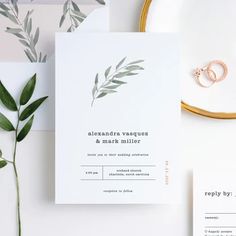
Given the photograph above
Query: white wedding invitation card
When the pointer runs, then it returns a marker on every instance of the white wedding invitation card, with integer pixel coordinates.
(117, 118)
(214, 203)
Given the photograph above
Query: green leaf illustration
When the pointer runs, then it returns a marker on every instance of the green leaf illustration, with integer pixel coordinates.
(11, 17)
(136, 62)
(113, 86)
(13, 30)
(121, 74)
(4, 7)
(71, 11)
(118, 82)
(112, 79)
(29, 55)
(2, 164)
(7, 99)
(107, 72)
(29, 110)
(134, 67)
(120, 63)
(63, 17)
(28, 91)
(102, 95)
(75, 6)
(25, 130)
(36, 36)
(101, 2)
(5, 124)
(24, 43)
(24, 29)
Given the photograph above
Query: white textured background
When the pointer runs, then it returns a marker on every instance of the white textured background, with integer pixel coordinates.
(204, 143)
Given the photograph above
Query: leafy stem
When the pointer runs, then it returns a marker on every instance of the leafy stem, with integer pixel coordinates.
(73, 12)
(113, 80)
(25, 116)
(24, 30)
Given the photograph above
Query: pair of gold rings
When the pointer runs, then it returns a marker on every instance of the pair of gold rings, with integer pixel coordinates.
(211, 76)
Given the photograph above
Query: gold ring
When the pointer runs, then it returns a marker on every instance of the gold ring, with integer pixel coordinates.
(185, 106)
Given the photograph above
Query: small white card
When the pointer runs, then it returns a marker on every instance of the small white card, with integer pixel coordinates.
(214, 203)
(117, 118)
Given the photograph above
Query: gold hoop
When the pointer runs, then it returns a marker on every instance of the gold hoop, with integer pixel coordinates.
(184, 106)
(220, 63)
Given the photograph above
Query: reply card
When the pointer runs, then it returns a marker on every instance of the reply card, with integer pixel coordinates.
(215, 203)
(117, 118)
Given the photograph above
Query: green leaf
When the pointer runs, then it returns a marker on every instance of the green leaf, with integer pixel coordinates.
(13, 30)
(136, 62)
(11, 17)
(25, 130)
(75, 21)
(75, 6)
(120, 63)
(40, 57)
(118, 82)
(16, 8)
(108, 91)
(0, 153)
(44, 58)
(36, 36)
(70, 29)
(24, 43)
(62, 20)
(131, 74)
(5, 124)
(79, 14)
(101, 2)
(65, 7)
(113, 86)
(3, 13)
(122, 74)
(7, 99)
(101, 95)
(107, 72)
(28, 91)
(96, 79)
(29, 27)
(2, 164)
(29, 55)
(19, 35)
(94, 90)
(4, 7)
(28, 111)
(134, 67)
(26, 20)
(80, 19)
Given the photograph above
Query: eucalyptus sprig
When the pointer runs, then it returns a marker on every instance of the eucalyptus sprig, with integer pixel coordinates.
(25, 117)
(23, 30)
(73, 12)
(112, 80)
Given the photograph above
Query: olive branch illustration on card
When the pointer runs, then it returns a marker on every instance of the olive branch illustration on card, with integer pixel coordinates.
(23, 30)
(72, 11)
(113, 78)
(74, 14)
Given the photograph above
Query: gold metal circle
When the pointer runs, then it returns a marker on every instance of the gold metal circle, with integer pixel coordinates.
(185, 106)
(221, 64)
(211, 75)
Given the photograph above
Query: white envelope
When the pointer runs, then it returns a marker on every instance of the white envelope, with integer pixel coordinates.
(15, 74)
